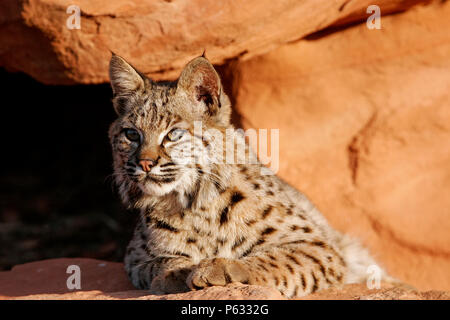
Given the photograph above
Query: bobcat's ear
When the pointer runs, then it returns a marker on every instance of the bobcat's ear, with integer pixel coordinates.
(125, 80)
(201, 83)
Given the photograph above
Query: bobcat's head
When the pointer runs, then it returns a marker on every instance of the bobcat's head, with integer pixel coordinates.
(155, 148)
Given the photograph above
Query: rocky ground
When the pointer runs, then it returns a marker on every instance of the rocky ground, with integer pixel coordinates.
(106, 280)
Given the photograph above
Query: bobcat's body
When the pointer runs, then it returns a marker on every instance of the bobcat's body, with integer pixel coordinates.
(206, 223)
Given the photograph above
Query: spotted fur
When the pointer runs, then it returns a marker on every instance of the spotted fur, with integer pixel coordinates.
(206, 223)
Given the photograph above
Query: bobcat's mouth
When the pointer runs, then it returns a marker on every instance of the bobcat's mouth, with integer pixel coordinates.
(139, 176)
(159, 178)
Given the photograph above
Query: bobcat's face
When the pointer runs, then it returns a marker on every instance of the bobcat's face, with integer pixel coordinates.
(151, 148)
(155, 141)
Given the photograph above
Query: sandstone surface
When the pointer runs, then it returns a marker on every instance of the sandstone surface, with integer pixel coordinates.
(46, 280)
(158, 36)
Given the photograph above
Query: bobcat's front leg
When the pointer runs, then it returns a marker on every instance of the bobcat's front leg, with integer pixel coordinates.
(162, 274)
(170, 274)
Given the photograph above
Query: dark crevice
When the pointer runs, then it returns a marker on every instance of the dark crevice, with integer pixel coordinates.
(56, 192)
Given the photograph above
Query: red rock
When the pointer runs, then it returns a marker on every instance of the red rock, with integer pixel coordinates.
(47, 279)
(50, 277)
(364, 123)
(361, 292)
(159, 37)
(44, 280)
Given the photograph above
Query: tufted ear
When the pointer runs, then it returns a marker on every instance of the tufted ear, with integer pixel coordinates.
(125, 81)
(200, 82)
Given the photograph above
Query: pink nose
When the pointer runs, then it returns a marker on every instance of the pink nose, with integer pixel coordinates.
(146, 164)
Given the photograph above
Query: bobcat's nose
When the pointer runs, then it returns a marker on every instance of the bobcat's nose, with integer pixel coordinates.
(146, 164)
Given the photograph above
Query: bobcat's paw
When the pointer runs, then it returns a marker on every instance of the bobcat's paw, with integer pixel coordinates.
(217, 272)
(173, 281)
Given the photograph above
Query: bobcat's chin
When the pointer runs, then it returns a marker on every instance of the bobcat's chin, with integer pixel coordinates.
(152, 185)
(154, 189)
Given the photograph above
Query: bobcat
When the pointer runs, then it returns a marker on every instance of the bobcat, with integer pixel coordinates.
(209, 223)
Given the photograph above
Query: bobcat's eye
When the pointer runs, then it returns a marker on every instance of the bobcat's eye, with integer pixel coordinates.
(132, 135)
(176, 134)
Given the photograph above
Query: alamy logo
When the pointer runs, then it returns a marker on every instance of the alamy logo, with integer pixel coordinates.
(374, 278)
(231, 142)
(74, 280)
(374, 21)
(74, 20)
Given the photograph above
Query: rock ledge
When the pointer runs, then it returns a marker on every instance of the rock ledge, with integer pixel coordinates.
(46, 280)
